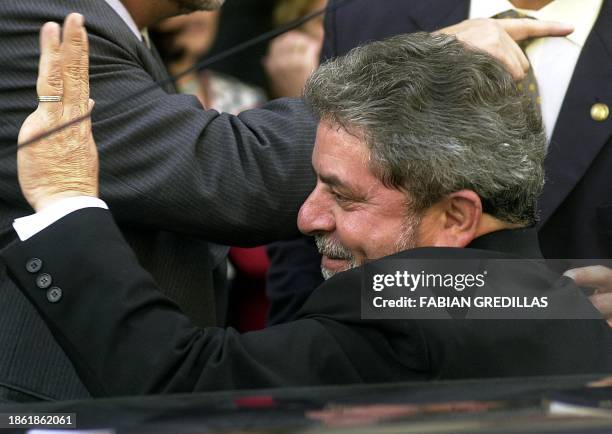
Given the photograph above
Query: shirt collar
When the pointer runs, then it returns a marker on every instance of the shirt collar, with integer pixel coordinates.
(125, 16)
(581, 14)
(521, 242)
(145, 37)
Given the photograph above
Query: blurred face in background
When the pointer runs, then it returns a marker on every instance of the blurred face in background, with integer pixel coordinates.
(192, 35)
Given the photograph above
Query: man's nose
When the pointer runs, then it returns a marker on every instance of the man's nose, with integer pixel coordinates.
(316, 215)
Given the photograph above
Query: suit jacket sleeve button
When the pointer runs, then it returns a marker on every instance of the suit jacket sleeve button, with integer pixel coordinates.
(34, 265)
(54, 294)
(44, 280)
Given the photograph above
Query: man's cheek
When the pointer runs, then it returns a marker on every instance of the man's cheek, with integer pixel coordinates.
(356, 237)
(376, 245)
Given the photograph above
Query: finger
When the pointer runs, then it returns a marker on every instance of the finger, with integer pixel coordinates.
(596, 276)
(525, 28)
(75, 61)
(521, 58)
(50, 65)
(88, 103)
(603, 303)
(509, 59)
(518, 71)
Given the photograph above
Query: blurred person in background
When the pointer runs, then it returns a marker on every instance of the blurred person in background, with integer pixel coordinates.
(182, 41)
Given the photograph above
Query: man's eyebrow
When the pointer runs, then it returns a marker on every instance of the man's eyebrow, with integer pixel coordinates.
(333, 181)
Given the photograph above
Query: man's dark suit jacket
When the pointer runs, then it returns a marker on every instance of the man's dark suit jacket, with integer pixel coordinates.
(176, 176)
(124, 337)
(576, 206)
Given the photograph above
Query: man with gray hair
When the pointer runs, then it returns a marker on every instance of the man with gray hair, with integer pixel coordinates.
(422, 142)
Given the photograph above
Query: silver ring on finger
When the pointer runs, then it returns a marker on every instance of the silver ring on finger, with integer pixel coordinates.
(54, 98)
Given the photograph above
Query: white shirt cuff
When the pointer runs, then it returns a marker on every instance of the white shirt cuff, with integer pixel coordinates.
(27, 227)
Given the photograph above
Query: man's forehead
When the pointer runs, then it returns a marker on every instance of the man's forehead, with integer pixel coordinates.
(340, 158)
(334, 144)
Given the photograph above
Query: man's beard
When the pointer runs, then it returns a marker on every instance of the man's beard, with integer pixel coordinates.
(334, 250)
(188, 6)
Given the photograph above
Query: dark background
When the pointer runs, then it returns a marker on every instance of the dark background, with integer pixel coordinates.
(240, 21)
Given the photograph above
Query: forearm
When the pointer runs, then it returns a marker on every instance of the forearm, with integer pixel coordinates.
(232, 180)
(102, 291)
(125, 338)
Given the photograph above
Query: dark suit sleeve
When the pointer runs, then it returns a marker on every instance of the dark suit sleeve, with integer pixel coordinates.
(329, 50)
(125, 338)
(294, 273)
(169, 164)
(165, 162)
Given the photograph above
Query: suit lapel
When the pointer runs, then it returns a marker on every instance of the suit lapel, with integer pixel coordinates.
(122, 34)
(570, 153)
(434, 14)
(157, 68)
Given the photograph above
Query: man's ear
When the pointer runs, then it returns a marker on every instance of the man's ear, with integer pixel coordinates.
(456, 219)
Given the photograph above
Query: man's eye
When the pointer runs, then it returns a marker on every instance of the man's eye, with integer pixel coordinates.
(340, 198)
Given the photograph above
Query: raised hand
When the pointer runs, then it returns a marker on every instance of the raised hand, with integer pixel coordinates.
(64, 164)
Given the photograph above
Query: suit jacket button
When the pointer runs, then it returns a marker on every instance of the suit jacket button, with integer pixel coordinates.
(600, 112)
(54, 294)
(34, 265)
(44, 280)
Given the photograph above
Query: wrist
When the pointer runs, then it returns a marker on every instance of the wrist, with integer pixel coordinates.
(53, 211)
(47, 201)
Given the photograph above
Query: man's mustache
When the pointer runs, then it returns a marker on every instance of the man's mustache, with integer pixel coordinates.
(332, 249)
